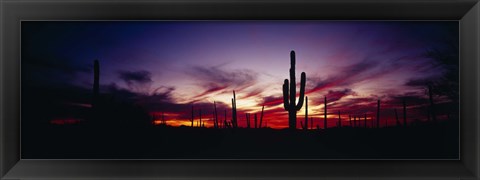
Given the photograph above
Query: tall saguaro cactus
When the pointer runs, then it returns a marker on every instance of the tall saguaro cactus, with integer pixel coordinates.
(306, 113)
(378, 113)
(350, 120)
(365, 121)
(225, 119)
(432, 105)
(404, 112)
(261, 117)
(234, 111)
(96, 82)
(191, 120)
(325, 114)
(396, 117)
(215, 121)
(247, 117)
(289, 94)
(339, 120)
(311, 123)
(200, 115)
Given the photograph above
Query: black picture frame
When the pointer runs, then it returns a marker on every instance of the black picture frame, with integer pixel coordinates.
(12, 12)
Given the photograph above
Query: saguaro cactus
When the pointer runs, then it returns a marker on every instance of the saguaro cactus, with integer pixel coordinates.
(311, 123)
(200, 115)
(289, 93)
(354, 121)
(247, 117)
(339, 120)
(396, 117)
(234, 111)
(164, 122)
(96, 82)
(378, 113)
(215, 120)
(350, 120)
(306, 114)
(191, 120)
(261, 117)
(365, 120)
(404, 112)
(432, 105)
(225, 120)
(325, 114)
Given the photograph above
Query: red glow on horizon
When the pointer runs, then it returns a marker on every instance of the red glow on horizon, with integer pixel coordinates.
(65, 121)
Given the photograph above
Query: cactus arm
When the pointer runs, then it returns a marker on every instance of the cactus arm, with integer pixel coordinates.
(286, 104)
(302, 92)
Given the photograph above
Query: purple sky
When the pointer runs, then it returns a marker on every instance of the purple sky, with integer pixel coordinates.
(203, 61)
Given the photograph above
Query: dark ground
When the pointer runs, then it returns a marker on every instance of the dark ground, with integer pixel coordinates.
(422, 141)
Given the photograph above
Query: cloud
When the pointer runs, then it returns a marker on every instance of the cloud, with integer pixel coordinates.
(135, 76)
(349, 75)
(138, 81)
(215, 79)
(337, 95)
(419, 82)
(272, 101)
(53, 70)
(252, 93)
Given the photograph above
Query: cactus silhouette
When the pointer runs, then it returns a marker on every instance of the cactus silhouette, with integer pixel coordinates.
(234, 111)
(339, 120)
(96, 83)
(225, 119)
(396, 117)
(200, 115)
(247, 117)
(306, 113)
(354, 121)
(378, 113)
(325, 113)
(261, 117)
(215, 120)
(255, 120)
(289, 94)
(432, 105)
(350, 120)
(311, 123)
(365, 121)
(404, 112)
(191, 120)
(266, 123)
(163, 119)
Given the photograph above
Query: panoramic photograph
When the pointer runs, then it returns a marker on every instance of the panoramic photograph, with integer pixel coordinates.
(248, 90)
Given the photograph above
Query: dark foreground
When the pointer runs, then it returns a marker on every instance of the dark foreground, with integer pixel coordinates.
(427, 141)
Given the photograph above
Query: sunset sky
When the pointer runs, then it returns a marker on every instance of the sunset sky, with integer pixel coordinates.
(166, 66)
